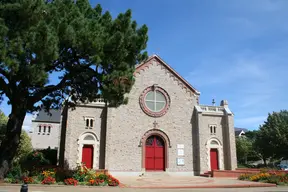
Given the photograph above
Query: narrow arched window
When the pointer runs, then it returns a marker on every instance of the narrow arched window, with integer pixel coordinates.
(87, 122)
(91, 123)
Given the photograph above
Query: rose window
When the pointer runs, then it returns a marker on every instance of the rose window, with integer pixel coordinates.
(154, 101)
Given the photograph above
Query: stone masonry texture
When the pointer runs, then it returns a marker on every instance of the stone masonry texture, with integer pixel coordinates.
(126, 125)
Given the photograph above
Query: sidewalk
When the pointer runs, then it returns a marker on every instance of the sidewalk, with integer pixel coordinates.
(170, 182)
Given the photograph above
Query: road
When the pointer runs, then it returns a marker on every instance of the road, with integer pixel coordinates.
(116, 189)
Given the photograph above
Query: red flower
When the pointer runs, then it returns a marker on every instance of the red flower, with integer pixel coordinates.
(48, 180)
(71, 181)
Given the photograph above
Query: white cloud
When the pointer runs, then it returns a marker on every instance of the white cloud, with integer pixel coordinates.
(255, 83)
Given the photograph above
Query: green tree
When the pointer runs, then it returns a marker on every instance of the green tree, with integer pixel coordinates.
(259, 146)
(3, 123)
(273, 135)
(243, 149)
(25, 146)
(92, 54)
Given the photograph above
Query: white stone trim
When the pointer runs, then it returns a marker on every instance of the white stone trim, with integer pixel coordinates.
(81, 142)
(219, 148)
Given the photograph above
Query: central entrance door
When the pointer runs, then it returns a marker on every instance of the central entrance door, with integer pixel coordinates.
(155, 154)
(214, 159)
(87, 156)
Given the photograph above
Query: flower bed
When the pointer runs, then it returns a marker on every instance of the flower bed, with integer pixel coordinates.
(81, 176)
(266, 177)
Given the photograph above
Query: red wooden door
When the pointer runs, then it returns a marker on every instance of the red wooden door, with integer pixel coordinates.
(87, 156)
(155, 152)
(214, 159)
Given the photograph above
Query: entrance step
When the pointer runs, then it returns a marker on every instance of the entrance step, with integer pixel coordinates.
(206, 174)
(154, 174)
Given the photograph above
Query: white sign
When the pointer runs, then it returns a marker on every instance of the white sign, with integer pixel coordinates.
(180, 161)
(180, 152)
(180, 146)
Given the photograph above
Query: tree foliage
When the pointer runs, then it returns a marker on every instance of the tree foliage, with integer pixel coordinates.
(243, 149)
(25, 146)
(91, 54)
(273, 134)
(3, 123)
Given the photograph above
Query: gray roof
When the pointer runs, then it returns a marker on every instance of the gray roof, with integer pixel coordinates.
(43, 116)
(241, 129)
(238, 130)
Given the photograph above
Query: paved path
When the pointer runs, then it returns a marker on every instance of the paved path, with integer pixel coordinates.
(168, 181)
(158, 183)
(117, 189)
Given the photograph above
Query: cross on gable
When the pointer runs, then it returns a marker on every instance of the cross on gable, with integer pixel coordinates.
(155, 125)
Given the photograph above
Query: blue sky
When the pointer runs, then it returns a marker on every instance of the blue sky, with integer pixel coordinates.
(227, 49)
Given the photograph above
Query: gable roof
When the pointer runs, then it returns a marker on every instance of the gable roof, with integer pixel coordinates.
(169, 68)
(43, 116)
(239, 130)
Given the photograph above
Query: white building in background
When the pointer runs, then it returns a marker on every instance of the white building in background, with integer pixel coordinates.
(45, 130)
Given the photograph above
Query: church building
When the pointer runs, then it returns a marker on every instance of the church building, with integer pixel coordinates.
(162, 128)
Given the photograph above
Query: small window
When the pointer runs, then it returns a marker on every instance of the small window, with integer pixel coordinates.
(87, 122)
(213, 142)
(91, 123)
(39, 129)
(212, 129)
(89, 137)
(44, 129)
(49, 129)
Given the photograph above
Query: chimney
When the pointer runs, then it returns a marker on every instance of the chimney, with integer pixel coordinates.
(224, 103)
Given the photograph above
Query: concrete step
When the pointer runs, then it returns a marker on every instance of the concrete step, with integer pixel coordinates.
(206, 174)
(155, 174)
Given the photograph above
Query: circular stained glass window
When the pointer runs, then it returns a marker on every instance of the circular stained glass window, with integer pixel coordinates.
(154, 101)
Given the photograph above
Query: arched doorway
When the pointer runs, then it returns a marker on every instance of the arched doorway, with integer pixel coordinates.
(214, 164)
(214, 154)
(88, 145)
(154, 153)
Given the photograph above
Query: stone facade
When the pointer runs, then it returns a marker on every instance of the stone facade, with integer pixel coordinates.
(43, 140)
(45, 130)
(121, 133)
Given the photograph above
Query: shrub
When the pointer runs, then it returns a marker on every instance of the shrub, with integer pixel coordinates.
(49, 173)
(28, 180)
(244, 176)
(71, 181)
(15, 173)
(48, 180)
(260, 176)
(113, 182)
(269, 177)
(33, 161)
(62, 174)
(50, 155)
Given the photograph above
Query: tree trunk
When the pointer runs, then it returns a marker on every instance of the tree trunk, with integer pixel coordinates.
(265, 162)
(11, 141)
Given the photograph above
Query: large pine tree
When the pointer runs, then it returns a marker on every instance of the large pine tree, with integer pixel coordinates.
(93, 55)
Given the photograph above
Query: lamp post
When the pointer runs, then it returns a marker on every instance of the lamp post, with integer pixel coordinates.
(24, 188)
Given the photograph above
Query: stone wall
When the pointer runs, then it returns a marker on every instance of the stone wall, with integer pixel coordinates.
(43, 140)
(127, 124)
(76, 127)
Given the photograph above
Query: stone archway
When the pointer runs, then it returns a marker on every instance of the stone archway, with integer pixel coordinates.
(89, 139)
(167, 145)
(214, 144)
